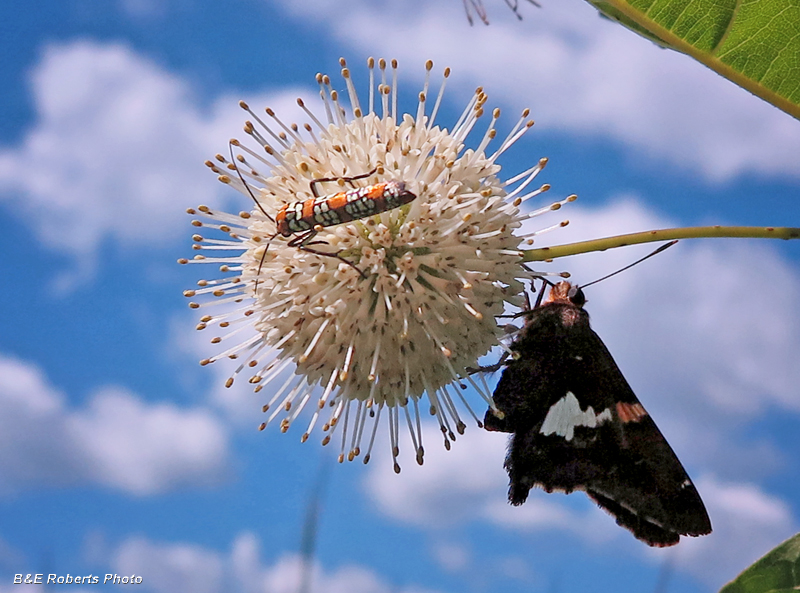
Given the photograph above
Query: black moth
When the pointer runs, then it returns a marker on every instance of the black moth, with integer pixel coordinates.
(577, 425)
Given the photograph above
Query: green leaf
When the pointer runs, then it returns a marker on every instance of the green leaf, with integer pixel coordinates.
(754, 43)
(777, 572)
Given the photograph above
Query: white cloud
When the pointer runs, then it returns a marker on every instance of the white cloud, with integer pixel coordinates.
(117, 440)
(10, 557)
(113, 140)
(452, 557)
(146, 448)
(747, 524)
(238, 402)
(170, 568)
(579, 73)
(449, 487)
(487, 568)
(175, 568)
(469, 483)
(117, 150)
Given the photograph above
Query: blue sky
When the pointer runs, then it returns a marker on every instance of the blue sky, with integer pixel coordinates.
(118, 453)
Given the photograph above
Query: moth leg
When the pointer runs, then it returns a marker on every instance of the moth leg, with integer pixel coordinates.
(303, 241)
(349, 180)
(491, 368)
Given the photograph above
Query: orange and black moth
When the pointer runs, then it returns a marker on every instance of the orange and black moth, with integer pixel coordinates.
(342, 207)
(303, 219)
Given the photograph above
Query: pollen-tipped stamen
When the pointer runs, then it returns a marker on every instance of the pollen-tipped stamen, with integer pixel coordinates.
(374, 431)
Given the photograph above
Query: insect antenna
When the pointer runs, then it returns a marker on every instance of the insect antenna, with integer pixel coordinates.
(260, 207)
(638, 261)
(578, 299)
(576, 292)
(241, 178)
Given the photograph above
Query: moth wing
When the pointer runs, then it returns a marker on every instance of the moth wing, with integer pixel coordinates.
(578, 426)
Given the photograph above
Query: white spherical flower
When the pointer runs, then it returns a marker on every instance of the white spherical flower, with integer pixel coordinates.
(378, 253)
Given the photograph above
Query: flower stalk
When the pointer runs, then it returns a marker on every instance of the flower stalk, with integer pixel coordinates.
(697, 232)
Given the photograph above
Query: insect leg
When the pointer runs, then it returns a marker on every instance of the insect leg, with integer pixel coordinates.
(526, 309)
(539, 297)
(303, 241)
(261, 263)
(491, 368)
(314, 183)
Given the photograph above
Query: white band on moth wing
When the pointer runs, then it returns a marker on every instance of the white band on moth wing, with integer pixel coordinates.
(566, 414)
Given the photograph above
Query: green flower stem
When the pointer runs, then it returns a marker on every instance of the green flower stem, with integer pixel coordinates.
(696, 232)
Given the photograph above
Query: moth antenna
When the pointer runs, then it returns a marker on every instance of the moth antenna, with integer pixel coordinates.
(246, 185)
(260, 207)
(638, 261)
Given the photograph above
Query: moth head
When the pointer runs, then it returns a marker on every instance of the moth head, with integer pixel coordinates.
(567, 293)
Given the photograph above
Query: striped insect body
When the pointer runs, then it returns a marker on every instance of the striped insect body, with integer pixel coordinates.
(342, 207)
(302, 220)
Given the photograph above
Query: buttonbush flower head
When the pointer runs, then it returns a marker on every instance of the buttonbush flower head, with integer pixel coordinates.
(378, 317)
